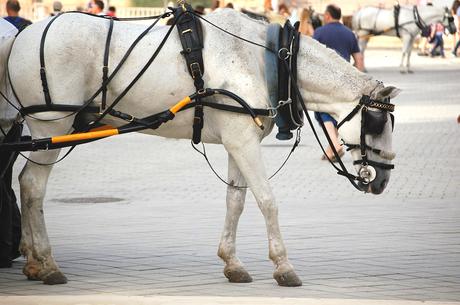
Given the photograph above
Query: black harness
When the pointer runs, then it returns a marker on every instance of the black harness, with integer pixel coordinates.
(283, 47)
(191, 38)
(288, 103)
(396, 11)
(372, 123)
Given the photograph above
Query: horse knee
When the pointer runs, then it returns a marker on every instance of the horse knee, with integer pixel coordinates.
(33, 183)
(235, 201)
(268, 206)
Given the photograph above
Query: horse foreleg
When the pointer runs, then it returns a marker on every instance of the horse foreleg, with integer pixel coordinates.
(406, 49)
(35, 245)
(408, 52)
(362, 47)
(248, 157)
(234, 269)
(402, 69)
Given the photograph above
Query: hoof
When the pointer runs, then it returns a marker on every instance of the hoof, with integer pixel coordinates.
(410, 71)
(287, 279)
(237, 275)
(402, 71)
(55, 278)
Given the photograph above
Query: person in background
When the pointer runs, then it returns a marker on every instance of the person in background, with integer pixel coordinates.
(199, 9)
(268, 6)
(283, 10)
(456, 12)
(57, 8)
(341, 39)
(437, 32)
(12, 9)
(98, 8)
(306, 24)
(112, 11)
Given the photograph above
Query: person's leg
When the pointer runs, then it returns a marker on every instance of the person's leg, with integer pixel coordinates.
(441, 46)
(332, 131)
(456, 47)
(435, 45)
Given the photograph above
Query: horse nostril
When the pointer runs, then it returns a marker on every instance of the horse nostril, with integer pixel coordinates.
(383, 184)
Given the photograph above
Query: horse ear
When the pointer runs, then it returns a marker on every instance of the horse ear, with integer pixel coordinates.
(389, 91)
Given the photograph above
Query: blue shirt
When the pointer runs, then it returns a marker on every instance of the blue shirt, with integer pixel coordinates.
(19, 22)
(339, 38)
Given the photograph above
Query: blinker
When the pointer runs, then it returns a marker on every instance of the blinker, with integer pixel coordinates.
(375, 121)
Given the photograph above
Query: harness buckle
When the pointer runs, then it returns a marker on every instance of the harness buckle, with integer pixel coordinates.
(195, 68)
(283, 103)
(273, 112)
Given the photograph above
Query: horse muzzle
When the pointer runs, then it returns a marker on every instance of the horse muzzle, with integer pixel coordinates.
(374, 179)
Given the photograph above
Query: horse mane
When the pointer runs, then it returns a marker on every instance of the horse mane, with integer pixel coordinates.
(336, 60)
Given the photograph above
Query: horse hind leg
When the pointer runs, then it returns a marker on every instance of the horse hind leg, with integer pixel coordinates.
(234, 269)
(35, 244)
(248, 157)
(33, 179)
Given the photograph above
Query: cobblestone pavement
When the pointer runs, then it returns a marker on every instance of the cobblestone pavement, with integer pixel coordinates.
(138, 215)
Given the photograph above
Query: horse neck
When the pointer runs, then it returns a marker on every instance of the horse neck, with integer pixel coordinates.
(431, 14)
(327, 82)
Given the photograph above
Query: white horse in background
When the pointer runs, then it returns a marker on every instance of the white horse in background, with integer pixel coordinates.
(73, 53)
(371, 21)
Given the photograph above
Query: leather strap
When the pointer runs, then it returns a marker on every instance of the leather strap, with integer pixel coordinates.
(191, 37)
(396, 11)
(46, 91)
(105, 66)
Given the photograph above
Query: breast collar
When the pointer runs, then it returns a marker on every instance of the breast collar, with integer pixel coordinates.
(283, 44)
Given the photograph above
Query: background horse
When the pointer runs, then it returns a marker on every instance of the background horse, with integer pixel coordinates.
(371, 21)
(74, 55)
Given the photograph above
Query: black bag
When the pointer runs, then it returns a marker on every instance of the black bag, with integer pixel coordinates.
(10, 217)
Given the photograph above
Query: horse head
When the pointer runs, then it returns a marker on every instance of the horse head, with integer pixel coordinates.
(435, 14)
(358, 102)
(368, 136)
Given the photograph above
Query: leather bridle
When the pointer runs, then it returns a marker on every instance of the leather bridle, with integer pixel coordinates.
(367, 171)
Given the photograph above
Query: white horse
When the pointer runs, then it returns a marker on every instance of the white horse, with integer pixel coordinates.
(73, 54)
(371, 21)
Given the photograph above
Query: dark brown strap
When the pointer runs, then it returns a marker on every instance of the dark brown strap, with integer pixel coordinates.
(105, 66)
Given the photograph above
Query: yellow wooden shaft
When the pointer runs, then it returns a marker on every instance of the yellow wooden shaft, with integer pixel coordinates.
(84, 136)
(174, 109)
